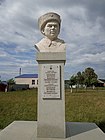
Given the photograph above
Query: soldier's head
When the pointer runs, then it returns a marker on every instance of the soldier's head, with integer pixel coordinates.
(49, 25)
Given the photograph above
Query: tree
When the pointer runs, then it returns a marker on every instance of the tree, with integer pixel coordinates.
(67, 83)
(11, 81)
(79, 78)
(94, 82)
(72, 81)
(90, 77)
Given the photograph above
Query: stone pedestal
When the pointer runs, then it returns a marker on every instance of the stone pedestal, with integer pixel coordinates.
(51, 98)
(27, 130)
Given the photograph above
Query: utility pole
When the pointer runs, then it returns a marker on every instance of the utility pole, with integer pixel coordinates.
(20, 71)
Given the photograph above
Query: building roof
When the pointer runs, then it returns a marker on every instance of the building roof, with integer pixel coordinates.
(27, 76)
(101, 80)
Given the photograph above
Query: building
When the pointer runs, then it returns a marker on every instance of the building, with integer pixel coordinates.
(30, 79)
(101, 82)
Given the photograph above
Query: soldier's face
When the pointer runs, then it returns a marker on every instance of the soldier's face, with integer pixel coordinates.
(51, 30)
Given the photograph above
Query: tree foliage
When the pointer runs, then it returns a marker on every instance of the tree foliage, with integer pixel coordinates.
(72, 80)
(11, 81)
(79, 78)
(88, 77)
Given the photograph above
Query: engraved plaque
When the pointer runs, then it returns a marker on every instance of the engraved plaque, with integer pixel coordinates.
(51, 81)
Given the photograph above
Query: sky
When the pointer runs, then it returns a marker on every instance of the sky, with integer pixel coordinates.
(82, 28)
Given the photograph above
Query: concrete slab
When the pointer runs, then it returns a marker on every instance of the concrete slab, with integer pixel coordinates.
(27, 130)
(19, 130)
(84, 131)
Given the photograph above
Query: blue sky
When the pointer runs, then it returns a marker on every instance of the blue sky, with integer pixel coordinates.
(83, 30)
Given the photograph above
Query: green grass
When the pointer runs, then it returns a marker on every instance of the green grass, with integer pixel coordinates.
(88, 106)
(17, 105)
(81, 106)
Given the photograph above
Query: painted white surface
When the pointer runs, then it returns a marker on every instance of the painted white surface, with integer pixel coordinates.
(27, 81)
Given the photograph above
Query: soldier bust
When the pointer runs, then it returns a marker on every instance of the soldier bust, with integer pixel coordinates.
(49, 25)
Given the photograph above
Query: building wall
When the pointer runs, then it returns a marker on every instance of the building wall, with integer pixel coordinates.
(101, 83)
(33, 82)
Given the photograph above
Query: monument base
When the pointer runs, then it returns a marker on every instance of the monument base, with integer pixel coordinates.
(27, 130)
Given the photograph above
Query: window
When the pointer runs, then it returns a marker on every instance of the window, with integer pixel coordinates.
(33, 82)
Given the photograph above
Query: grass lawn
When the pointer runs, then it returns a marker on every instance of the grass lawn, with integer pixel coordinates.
(17, 105)
(81, 106)
(86, 106)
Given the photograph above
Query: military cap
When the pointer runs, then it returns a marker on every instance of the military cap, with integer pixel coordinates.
(48, 17)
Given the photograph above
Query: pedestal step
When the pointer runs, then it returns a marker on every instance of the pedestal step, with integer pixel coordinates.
(27, 130)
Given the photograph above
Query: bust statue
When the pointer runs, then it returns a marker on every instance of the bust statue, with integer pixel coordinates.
(49, 25)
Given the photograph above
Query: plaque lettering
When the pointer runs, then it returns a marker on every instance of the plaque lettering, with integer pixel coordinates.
(51, 81)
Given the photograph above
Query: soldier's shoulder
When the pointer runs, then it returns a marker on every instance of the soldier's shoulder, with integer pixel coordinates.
(41, 41)
(60, 40)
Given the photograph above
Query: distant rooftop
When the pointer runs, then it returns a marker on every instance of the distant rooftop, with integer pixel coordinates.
(102, 80)
(27, 76)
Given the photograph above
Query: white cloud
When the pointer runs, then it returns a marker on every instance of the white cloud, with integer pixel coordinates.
(83, 29)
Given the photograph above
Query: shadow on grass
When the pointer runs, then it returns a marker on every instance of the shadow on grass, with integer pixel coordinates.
(101, 125)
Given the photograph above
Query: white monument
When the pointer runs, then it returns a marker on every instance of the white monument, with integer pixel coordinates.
(49, 25)
(51, 58)
(50, 125)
